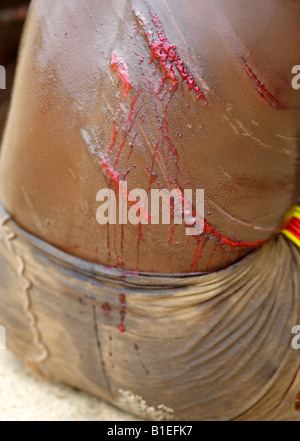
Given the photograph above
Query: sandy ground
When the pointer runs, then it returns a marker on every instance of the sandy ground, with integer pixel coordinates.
(26, 398)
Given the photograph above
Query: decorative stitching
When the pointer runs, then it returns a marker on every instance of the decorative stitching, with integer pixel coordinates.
(34, 363)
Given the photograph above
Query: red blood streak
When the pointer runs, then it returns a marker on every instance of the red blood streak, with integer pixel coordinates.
(111, 173)
(165, 53)
(198, 252)
(173, 67)
(209, 229)
(122, 300)
(113, 138)
(222, 240)
(132, 108)
(172, 217)
(194, 265)
(125, 173)
(270, 99)
(128, 126)
(131, 146)
(240, 253)
(118, 64)
(229, 257)
(211, 257)
(152, 166)
(168, 137)
(222, 256)
(113, 176)
(171, 236)
(106, 308)
(160, 32)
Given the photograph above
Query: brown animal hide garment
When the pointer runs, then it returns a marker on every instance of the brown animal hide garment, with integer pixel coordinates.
(212, 347)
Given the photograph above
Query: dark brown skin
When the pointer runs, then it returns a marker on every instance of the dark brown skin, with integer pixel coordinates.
(242, 148)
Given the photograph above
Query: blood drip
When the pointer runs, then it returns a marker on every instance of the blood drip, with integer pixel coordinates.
(198, 252)
(128, 126)
(122, 300)
(106, 308)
